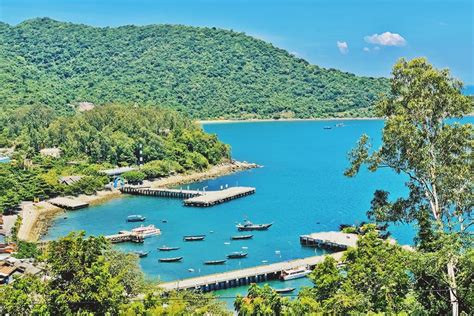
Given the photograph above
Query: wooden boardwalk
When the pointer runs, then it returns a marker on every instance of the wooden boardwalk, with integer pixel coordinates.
(246, 276)
(124, 237)
(193, 197)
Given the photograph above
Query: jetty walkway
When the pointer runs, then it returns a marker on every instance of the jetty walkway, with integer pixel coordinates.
(125, 236)
(246, 276)
(193, 197)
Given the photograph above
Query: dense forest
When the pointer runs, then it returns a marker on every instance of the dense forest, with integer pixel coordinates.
(204, 72)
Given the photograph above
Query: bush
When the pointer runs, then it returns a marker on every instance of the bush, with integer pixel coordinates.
(134, 177)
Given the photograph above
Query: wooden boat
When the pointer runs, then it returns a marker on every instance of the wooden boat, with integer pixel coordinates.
(237, 255)
(165, 248)
(248, 225)
(135, 218)
(241, 237)
(141, 254)
(214, 262)
(285, 290)
(194, 238)
(174, 259)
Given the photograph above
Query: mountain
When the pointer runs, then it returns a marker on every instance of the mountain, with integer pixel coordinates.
(204, 72)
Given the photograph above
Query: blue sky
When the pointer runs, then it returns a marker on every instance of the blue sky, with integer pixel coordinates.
(359, 36)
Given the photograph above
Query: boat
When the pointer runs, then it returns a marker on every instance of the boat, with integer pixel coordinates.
(135, 218)
(295, 273)
(214, 262)
(248, 225)
(340, 125)
(141, 254)
(194, 238)
(241, 237)
(146, 231)
(284, 290)
(165, 248)
(174, 259)
(237, 255)
(327, 127)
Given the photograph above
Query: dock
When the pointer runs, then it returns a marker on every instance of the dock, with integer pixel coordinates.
(330, 240)
(68, 203)
(125, 236)
(246, 276)
(193, 197)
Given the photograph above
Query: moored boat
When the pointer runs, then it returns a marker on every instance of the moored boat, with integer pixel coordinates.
(165, 248)
(135, 218)
(194, 238)
(248, 225)
(141, 254)
(214, 262)
(146, 231)
(285, 290)
(241, 237)
(295, 273)
(174, 259)
(237, 255)
(327, 127)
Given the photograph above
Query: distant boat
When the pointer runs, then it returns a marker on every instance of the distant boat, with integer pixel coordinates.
(295, 273)
(214, 262)
(327, 127)
(284, 290)
(165, 248)
(141, 254)
(146, 231)
(340, 125)
(194, 238)
(191, 270)
(241, 237)
(175, 259)
(237, 255)
(135, 218)
(164, 221)
(248, 225)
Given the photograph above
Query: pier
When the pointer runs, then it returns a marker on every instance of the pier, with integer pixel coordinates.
(68, 203)
(246, 276)
(330, 240)
(193, 197)
(125, 236)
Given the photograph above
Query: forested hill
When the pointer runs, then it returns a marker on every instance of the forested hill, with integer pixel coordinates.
(205, 72)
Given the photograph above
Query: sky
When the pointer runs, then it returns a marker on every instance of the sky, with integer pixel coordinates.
(359, 36)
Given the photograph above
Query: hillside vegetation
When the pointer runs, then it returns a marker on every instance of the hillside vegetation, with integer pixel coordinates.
(204, 72)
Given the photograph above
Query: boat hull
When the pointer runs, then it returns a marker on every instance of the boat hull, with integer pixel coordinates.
(177, 259)
(168, 248)
(215, 262)
(241, 237)
(253, 227)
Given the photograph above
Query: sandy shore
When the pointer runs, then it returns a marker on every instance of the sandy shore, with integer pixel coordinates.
(36, 217)
(223, 121)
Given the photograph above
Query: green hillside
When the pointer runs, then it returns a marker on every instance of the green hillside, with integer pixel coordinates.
(205, 72)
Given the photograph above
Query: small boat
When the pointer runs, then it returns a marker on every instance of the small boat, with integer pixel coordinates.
(327, 127)
(248, 225)
(135, 218)
(164, 221)
(147, 231)
(214, 262)
(194, 238)
(284, 290)
(174, 259)
(141, 254)
(191, 270)
(226, 243)
(340, 125)
(237, 255)
(295, 273)
(241, 237)
(165, 248)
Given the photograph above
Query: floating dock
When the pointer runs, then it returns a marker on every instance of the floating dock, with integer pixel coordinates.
(246, 276)
(125, 237)
(330, 240)
(193, 197)
(68, 203)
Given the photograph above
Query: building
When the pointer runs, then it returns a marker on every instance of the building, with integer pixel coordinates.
(51, 152)
(117, 171)
(69, 180)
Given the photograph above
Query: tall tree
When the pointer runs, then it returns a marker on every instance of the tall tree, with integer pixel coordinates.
(435, 153)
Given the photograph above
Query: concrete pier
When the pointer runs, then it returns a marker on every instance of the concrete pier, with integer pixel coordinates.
(68, 203)
(125, 237)
(330, 240)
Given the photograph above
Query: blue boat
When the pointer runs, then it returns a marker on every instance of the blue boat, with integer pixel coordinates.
(135, 218)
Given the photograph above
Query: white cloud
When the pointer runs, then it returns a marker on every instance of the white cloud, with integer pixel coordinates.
(386, 39)
(343, 47)
(366, 49)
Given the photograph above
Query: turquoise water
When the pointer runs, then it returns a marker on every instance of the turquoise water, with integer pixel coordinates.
(301, 189)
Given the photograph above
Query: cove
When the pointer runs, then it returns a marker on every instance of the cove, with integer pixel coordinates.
(301, 188)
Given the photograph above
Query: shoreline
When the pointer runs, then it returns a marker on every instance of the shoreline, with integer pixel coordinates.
(37, 217)
(330, 119)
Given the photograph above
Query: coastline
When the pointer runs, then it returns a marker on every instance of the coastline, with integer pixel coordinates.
(37, 217)
(330, 119)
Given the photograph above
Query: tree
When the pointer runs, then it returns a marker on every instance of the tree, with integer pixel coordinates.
(25, 296)
(260, 301)
(134, 177)
(434, 153)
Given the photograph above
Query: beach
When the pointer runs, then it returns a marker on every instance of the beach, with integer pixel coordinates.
(36, 217)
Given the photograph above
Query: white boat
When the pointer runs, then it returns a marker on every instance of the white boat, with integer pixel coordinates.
(295, 273)
(146, 231)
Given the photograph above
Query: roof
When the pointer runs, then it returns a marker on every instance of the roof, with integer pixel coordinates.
(69, 179)
(7, 270)
(53, 152)
(117, 171)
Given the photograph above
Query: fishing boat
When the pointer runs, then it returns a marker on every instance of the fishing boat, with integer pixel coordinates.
(174, 259)
(135, 218)
(237, 255)
(141, 254)
(146, 231)
(248, 225)
(241, 237)
(285, 290)
(214, 262)
(165, 248)
(194, 238)
(295, 273)
(327, 127)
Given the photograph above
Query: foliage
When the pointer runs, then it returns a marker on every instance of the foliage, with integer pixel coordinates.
(205, 72)
(26, 250)
(134, 177)
(260, 301)
(161, 168)
(25, 296)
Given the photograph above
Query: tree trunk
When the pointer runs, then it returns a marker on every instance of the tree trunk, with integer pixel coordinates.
(452, 288)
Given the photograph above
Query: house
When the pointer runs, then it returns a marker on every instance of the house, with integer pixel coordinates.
(6, 273)
(51, 152)
(69, 180)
